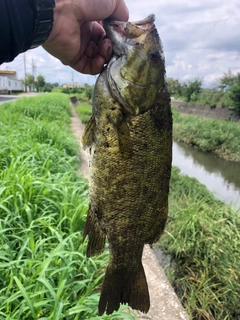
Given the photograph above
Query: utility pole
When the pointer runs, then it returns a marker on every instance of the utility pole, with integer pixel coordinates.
(73, 80)
(33, 71)
(24, 61)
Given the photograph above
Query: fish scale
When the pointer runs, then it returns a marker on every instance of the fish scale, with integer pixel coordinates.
(131, 154)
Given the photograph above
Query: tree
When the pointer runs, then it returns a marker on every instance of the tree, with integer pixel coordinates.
(88, 90)
(29, 80)
(227, 81)
(174, 87)
(234, 94)
(192, 89)
(40, 82)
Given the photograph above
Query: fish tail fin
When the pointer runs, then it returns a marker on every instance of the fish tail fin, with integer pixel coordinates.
(96, 238)
(123, 286)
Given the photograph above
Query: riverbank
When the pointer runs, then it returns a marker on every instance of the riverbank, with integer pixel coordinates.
(203, 239)
(220, 137)
(217, 174)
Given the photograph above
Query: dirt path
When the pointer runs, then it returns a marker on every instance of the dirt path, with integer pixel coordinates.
(164, 302)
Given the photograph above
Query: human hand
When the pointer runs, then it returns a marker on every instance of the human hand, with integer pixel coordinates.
(77, 38)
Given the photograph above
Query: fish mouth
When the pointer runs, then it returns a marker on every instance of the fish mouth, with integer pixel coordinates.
(133, 29)
(121, 32)
(125, 38)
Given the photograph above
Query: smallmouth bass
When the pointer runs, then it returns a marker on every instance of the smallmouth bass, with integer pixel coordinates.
(130, 141)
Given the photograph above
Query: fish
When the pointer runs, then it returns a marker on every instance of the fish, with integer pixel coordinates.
(130, 140)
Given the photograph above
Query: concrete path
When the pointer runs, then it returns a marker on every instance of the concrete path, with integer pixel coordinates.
(165, 304)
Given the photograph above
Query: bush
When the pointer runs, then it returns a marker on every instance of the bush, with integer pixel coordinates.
(192, 89)
(234, 95)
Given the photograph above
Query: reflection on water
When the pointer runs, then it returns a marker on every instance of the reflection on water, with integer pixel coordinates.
(220, 176)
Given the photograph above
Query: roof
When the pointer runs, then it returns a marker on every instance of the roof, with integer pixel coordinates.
(7, 72)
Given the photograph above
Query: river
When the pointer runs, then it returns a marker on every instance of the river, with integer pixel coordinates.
(220, 176)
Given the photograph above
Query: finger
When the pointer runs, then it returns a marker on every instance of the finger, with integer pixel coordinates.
(121, 12)
(93, 31)
(91, 50)
(105, 49)
(100, 10)
(88, 65)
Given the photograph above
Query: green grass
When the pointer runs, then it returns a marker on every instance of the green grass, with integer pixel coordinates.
(84, 111)
(44, 272)
(213, 97)
(220, 137)
(203, 239)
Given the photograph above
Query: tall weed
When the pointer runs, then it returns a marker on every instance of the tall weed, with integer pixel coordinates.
(84, 111)
(203, 239)
(44, 272)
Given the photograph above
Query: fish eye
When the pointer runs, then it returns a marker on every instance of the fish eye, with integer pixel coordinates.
(155, 55)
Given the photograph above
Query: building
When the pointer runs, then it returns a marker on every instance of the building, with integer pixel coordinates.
(72, 85)
(9, 82)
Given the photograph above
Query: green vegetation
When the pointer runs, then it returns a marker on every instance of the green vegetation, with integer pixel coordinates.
(84, 111)
(192, 89)
(44, 273)
(214, 98)
(84, 95)
(225, 94)
(203, 239)
(234, 94)
(84, 92)
(39, 83)
(217, 136)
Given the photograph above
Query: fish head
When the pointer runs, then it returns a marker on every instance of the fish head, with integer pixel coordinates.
(136, 71)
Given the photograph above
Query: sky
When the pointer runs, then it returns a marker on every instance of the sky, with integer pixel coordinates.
(201, 39)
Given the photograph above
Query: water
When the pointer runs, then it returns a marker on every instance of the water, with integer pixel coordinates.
(220, 176)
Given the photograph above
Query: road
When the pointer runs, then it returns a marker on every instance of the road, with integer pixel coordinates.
(6, 98)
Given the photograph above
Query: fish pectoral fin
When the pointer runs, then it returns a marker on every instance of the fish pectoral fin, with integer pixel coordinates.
(122, 132)
(124, 286)
(96, 237)
(88, 133)
(124, 140)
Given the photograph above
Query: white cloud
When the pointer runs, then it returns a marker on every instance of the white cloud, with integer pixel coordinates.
(201, 39)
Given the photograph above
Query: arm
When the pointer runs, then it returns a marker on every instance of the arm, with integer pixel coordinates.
(16, 28)
(77, 39)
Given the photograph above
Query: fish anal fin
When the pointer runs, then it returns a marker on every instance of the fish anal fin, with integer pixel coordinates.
(124, 286)
(88, 133)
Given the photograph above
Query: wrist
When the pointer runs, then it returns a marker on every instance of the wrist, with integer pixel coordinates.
(43, 21)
